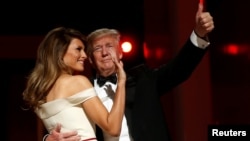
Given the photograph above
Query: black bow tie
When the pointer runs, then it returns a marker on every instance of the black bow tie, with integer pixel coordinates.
(102, 80)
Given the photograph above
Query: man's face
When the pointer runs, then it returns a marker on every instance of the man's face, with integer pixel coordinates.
(102, 59)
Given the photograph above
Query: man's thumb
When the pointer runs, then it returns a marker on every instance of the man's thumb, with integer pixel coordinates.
(58, 128)
(200, 9)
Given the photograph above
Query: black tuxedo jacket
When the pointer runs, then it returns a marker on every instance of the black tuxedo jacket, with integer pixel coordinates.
(144, 88)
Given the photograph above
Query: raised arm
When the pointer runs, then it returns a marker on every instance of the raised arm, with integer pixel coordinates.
(110, 122)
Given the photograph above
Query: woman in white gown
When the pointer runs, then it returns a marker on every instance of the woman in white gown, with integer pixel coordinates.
(58, 92)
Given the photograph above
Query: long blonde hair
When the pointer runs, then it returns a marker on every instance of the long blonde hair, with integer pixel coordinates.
(49, 64)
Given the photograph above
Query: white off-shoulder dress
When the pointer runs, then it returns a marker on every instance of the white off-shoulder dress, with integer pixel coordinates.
(69, 113)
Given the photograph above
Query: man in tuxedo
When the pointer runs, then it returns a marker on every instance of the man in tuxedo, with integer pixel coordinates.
(144, 116)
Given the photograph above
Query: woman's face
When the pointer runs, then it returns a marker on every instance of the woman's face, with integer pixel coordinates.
(75, 56)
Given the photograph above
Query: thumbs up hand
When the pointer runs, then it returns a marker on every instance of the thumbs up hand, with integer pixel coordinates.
(204, 22)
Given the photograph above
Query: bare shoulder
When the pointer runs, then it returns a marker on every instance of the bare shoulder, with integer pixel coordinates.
(68, 85)
(75, 84)
(80, 80)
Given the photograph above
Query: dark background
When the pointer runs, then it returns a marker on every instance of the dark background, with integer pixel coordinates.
(38, 17)
(23, 24)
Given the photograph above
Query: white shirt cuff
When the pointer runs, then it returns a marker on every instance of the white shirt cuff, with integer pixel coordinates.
(45, 137)
(199, 42)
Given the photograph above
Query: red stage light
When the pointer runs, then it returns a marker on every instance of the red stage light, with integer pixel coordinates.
(231, 49)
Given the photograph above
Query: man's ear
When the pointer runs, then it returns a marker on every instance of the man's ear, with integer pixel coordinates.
(120, 55)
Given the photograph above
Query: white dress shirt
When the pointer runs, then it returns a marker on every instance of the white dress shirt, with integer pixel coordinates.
(106, 93)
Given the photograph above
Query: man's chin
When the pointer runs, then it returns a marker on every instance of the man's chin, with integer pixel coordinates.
(108, 67)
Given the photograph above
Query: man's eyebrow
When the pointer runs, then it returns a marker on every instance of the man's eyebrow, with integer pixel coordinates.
(97, 46)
